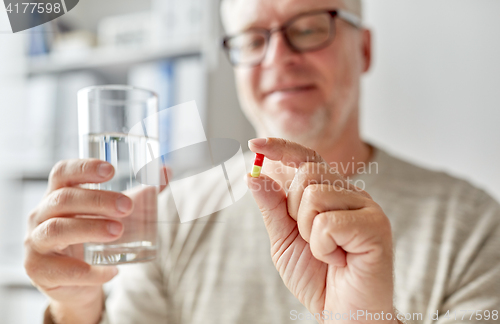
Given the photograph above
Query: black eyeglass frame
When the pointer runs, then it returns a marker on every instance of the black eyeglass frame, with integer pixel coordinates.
(347, 16)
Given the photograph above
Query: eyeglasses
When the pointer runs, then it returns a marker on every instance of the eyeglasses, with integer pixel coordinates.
(305, 32)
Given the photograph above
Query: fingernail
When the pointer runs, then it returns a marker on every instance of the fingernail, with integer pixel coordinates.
(114, 228)
(258, 141)
(104, 169)
(115, 271)
(123, 204)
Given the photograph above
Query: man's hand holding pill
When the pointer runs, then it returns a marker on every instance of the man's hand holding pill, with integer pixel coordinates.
(330, 242)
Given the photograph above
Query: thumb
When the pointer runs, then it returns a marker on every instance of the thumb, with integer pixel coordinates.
(271, 199)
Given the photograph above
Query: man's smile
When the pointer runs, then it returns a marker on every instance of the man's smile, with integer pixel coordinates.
(289, 91)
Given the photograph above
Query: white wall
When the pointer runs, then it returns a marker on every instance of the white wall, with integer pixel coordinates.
(20, 305)
(433, 94)
(12, 98)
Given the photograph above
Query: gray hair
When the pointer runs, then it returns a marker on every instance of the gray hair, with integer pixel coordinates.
(353, 6)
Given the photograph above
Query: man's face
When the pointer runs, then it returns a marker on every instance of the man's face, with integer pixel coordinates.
(305, 97)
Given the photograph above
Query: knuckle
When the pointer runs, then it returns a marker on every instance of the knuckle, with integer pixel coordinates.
(341, 185)
(335, 172)
(58, 170)
(321, 221)
(98, 199)
(279, 141)
(32, 215)
(363, 193)
(305, 174)
(339, 219)
(52, 228)
(316, 157)
(342, 190)
(86, 166)
(308, 167)
(31, 266)
(27, 242)
(312, 182)
(31, 269)
(323, 167)
(310, 193)
(60, 197)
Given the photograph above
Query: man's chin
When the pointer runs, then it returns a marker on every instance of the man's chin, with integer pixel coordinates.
(304, 131)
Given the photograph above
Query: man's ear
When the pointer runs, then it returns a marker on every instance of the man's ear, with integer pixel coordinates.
(366, 39)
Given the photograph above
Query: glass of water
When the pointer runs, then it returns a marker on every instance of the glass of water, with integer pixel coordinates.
(119, 124)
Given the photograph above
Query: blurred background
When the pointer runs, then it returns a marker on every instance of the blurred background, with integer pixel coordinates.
(432, 95)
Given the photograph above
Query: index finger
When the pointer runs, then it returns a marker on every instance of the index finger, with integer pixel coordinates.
(68, 173)
(289, 153)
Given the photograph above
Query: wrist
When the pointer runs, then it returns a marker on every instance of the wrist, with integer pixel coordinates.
(77, 313)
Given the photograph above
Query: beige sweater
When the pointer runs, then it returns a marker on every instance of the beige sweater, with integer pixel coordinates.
(218, 269)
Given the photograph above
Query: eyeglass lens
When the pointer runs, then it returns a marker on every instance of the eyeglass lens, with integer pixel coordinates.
(306, 32)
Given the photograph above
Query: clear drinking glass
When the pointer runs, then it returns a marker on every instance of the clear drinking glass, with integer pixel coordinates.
(119, 124)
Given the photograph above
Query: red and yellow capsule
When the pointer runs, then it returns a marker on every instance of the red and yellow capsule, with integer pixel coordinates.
(257, 165)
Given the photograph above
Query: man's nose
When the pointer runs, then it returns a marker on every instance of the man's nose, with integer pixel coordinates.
(279, 52)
